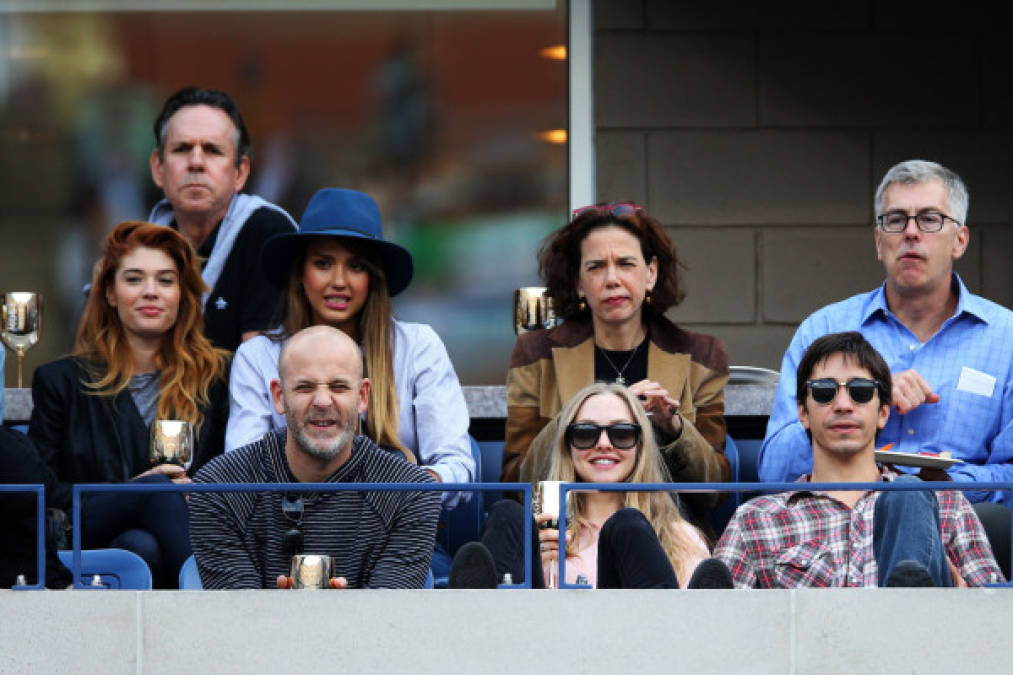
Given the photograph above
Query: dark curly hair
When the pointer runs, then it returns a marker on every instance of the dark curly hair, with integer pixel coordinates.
(559, 260)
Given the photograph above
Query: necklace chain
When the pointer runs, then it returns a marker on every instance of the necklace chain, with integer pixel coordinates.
(619, 371)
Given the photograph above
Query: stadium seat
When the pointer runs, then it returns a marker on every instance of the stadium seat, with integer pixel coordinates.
(995, 518)
(461, 524)
(116, 567)
(464, 522)
(189, 577)
(492, 467)
(720, 516)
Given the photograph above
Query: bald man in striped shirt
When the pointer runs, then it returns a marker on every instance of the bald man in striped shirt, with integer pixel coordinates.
(377, 539)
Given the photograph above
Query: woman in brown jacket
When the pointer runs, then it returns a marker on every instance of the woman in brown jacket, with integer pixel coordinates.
(611, 274)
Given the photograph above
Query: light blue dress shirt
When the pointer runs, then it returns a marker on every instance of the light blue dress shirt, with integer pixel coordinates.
(433, 414)
(968, 362)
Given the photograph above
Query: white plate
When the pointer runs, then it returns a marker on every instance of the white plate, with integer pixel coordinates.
(914, 459)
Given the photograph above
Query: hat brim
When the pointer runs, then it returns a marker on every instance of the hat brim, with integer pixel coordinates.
(280, 251)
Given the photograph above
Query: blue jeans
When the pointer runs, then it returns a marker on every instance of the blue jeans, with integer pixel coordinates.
(906, 527)
(154, 525)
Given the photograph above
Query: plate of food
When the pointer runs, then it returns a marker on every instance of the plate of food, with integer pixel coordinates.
(932, 460)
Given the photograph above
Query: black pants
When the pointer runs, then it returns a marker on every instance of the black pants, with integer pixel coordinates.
(629, 553)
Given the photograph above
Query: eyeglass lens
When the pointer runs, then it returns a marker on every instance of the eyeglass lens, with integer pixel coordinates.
(824, 390)
(896, 221)
(622, 436)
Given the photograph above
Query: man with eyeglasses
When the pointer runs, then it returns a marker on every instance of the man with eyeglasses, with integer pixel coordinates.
(851, 538)
(950, 351)
(377, 539)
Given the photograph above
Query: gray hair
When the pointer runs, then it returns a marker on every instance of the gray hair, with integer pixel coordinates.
(916, 171)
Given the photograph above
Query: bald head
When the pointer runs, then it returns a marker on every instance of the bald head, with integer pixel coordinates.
(322, 342)
(322, 393)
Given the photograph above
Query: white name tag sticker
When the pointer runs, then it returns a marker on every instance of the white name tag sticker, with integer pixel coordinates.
(976, 382)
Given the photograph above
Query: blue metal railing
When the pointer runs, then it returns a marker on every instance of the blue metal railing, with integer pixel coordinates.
(524, 488)
(82, 488)
(757, 487)
(40, 533)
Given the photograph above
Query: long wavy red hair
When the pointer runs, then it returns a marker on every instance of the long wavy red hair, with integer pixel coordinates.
(187, 360)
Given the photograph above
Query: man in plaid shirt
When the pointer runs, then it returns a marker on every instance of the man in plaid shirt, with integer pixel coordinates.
(850, 538)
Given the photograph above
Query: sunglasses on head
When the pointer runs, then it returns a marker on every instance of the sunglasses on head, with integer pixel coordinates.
(584, 435)
(860, 389)
(617, 209)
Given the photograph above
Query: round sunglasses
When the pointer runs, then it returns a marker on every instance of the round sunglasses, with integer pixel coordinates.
(584, 435)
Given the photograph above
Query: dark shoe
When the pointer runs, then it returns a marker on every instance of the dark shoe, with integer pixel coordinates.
(909, 574)
(711, 573)
(473, 567)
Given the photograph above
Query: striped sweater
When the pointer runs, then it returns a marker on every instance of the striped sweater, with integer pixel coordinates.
(377, 539)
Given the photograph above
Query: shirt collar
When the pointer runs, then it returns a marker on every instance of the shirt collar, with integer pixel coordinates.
(885, 475)
(967, 302)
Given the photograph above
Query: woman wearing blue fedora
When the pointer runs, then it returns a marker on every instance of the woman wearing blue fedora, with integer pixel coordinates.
(338, 270)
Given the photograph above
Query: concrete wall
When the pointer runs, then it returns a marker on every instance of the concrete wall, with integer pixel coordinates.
(758, 132)
(824, 631)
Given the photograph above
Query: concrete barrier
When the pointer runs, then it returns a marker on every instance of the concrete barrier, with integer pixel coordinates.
(824, 631)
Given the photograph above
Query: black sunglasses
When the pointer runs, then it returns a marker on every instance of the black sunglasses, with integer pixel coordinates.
(860, 389)
(584, 435)
(292, 540)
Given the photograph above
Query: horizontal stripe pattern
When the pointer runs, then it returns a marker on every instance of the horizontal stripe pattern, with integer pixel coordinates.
(377, 539)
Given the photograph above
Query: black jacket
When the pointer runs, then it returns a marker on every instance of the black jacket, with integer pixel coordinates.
(86, 438)
(20, 463)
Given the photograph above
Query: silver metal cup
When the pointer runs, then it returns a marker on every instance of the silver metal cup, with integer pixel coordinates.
(311, 572)
(545, 499)
(532, 310)
(171, 442)
(20, 324)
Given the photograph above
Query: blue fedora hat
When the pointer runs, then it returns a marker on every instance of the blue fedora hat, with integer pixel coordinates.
(346, 214)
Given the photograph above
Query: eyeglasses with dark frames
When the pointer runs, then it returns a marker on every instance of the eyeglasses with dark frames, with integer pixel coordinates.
(860, 389)
(617, 209)
(927, 221)
(584, 435)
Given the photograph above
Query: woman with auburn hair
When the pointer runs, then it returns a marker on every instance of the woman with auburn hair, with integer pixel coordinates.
(611, 273)
(140, 355)
(338, 270)
(613, 539)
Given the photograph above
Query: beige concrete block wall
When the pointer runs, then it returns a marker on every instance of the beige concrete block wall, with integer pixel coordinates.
(758, 132)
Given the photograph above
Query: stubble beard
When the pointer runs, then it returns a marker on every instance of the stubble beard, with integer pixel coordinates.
(322, 448)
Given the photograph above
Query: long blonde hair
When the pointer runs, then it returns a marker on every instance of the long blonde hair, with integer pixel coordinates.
(376, 329)
(658, 507)
(187, 360)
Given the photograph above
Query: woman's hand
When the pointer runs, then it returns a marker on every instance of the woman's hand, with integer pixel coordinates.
(548, 539)
(174, 472)
(663, 409)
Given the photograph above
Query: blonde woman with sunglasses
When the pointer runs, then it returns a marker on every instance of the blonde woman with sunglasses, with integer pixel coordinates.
(613, 539)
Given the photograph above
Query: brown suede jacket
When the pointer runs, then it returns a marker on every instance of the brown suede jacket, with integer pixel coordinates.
(548, 367)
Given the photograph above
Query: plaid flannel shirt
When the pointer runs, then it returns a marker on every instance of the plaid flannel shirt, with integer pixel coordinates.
(808, 539)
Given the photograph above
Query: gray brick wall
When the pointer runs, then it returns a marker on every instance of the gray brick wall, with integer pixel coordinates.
(757, 132)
